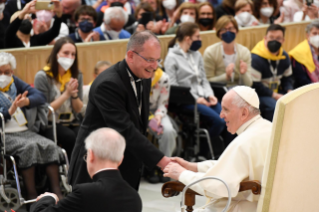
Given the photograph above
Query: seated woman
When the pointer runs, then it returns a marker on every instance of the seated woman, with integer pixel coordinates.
(18, 32)
(225, 8)
(227, 61)
(244, 13)
(265, 10)
(185, 67)
(206, 16)
(158, 27)
(304, 57)
(28, 147)
(61, 83)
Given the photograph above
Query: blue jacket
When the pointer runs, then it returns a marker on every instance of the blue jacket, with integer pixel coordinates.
(35, 97)
(300, 74)
(261, 65)
(123, 34)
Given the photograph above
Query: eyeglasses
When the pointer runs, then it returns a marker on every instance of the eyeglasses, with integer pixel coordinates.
(232, 29)
(85, 157)
(149, 60)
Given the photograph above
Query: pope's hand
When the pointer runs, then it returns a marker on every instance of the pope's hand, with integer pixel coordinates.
(173, 170)
(187, 165)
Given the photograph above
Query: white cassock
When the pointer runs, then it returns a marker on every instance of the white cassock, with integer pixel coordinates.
(243, 159)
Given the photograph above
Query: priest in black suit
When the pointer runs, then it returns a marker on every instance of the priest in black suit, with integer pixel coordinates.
(119, 99)
(108, 191)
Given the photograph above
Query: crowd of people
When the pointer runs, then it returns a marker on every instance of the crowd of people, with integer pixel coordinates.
(267, 68)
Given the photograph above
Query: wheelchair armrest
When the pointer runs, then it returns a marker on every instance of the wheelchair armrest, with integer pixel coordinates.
(173, 188)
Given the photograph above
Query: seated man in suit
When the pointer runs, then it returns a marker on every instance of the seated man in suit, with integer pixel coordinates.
(108, 191)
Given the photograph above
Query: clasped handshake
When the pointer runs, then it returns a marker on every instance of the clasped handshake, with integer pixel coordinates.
(176, 166)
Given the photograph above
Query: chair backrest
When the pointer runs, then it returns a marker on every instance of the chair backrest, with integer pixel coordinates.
(290, 178)
(180, 95)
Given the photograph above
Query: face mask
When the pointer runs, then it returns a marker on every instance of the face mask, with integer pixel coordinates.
(65, 62)
(196, 44)
(187, 18)
(314, 40)
(273, 46)
(4, 80)
(169, 4)
(267, 11)
(114, 34)
(228, 37)
(25, 27)
(244, 18)
(86, 26)
(2, 6)
(205, 21)
(44, 15)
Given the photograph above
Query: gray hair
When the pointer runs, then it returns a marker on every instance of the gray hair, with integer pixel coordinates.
(100, 64)
(117, 13)
(313, 24)
(106, 144)
(138, 39)
(240, 102)
(7, 58)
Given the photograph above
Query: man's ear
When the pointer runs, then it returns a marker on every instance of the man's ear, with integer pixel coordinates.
(94, 24)
(92, 156)
(245, 113)
(129, 56)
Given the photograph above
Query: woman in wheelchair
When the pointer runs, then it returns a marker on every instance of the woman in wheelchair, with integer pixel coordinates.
(29, 148)
(61, 83)
(185, 67)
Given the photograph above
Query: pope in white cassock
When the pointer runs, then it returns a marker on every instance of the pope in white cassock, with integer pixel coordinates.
(243, 159)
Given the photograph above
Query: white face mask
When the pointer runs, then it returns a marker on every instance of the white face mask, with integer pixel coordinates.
(114, 34)
(244, 18)
(187, 18)
(314, 40)
(316, 3)
(4, 80)
(65, 62)
(267, 11)
(169, 4)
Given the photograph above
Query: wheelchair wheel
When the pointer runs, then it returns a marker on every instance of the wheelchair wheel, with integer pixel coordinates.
(12, 194)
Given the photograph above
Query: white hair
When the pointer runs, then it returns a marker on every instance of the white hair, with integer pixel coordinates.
(106, 144)
(7, 58)
(240, 102)
(117, 13)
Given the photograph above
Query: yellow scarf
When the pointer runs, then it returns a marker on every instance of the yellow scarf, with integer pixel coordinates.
(5, 89)
(62, 80)
(261, 50)
(157, 76)
(302, 54)
(91, 82)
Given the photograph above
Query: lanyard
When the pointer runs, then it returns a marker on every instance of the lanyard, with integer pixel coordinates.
(135, 91)
(273, 70)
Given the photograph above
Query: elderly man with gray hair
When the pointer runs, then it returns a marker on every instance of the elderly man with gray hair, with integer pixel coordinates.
(243, 159)
(115, 19)
(304, 57)
(108, 191)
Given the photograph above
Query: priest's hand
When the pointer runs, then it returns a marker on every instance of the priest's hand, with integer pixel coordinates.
(187, 165)
(49, 194)
(173, 170)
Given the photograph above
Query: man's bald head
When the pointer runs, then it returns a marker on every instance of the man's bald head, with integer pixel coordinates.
(69, 6)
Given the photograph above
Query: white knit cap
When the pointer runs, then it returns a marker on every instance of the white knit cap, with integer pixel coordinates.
(248, 94)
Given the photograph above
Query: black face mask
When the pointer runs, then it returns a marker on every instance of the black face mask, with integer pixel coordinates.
(117, 4)
(205, 21)
(273, 46)
(25, 27)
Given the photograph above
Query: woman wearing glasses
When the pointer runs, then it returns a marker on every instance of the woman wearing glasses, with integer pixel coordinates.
(185, 67)
(227, 61)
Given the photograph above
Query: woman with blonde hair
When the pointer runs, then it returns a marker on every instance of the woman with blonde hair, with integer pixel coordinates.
(244, 13)
(227, 61)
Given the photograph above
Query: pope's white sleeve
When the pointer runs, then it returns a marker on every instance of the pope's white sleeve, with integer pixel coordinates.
(187, 177)
(205, 165)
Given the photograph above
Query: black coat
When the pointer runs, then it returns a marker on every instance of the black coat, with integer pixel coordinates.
(112, 103)
(108, 192)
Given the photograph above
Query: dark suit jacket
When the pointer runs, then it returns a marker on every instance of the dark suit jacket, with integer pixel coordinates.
(109, 192)
(112, 103)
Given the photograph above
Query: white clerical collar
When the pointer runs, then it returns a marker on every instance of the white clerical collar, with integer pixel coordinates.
(243, 127)
(104, 170)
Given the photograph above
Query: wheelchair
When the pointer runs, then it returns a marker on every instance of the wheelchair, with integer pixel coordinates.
(10, 189)
(192, 130)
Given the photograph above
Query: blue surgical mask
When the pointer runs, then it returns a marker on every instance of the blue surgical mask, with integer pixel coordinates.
(228, 36)
(86, 26)
(196, 45)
